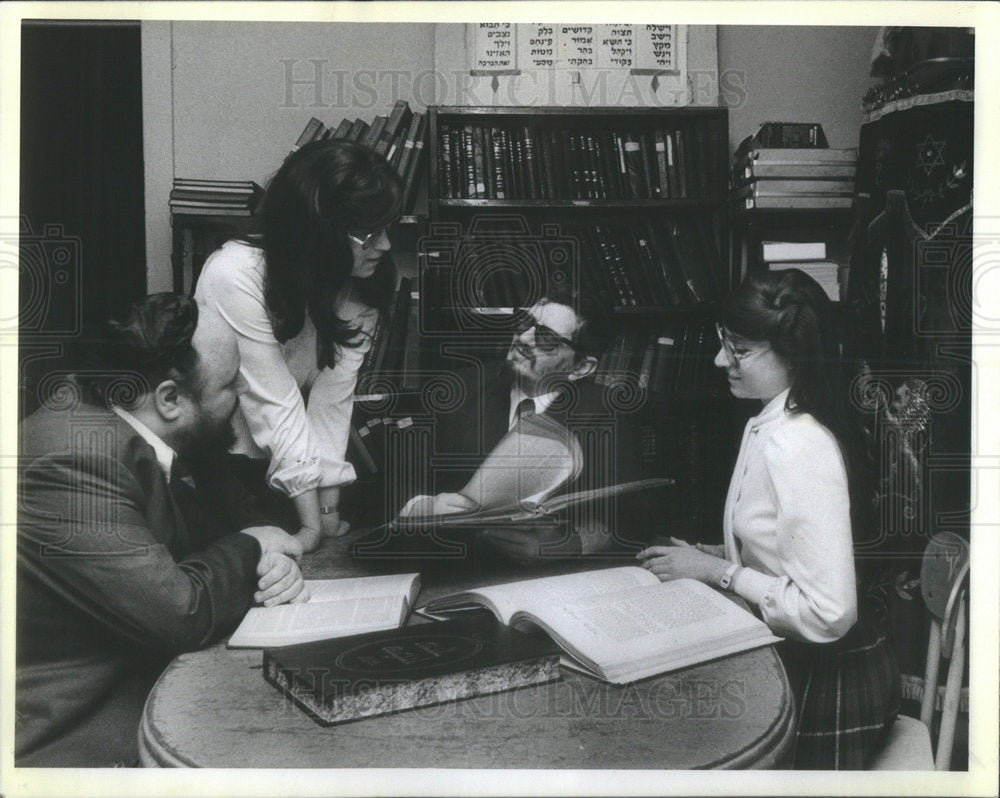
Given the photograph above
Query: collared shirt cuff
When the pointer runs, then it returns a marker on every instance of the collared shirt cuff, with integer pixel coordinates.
(753, 585)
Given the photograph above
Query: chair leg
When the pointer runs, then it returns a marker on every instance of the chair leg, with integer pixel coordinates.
(952, 693)
(931, 674)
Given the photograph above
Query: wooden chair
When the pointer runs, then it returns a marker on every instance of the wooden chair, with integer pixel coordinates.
(943, 582)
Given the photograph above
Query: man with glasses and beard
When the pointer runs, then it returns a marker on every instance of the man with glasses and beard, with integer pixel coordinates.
(134, 542)
(547, 372)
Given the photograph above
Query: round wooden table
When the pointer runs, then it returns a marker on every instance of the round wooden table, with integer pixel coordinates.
(213, 708)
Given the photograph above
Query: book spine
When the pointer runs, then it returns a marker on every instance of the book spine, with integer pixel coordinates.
(768, 155)
(665, 361)
(469, 162)
(544, 165)
(682, 162)
(634, 166)
(444, 163)
(772, 187)
(530, 161)
(672, 286)
(415, 167)
(479, 157)
(576, 176)
(660, 146)
(649, 165)
(812, 201)
(517, 148)
(646, 364)
(499, 170)
(313, 130)
(613, 257)
(791, 134)
(657, 295)
(386, 697)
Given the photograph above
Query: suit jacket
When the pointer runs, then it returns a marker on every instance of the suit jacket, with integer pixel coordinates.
(114, 579)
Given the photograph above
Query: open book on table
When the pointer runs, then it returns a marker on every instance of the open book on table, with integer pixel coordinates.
(621, 624)
(336, 608)
(517, 481)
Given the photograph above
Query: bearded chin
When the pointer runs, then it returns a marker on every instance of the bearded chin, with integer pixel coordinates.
(208, 442)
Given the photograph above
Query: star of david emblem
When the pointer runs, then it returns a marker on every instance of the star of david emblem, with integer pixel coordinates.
(930, 153)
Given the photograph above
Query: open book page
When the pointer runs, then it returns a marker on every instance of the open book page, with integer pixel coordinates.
(361, 586)
(336, 608)
(641, 631)
(535, 458)
(535, 595)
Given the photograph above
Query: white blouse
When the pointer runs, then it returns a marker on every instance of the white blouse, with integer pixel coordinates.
(788, 522)
(306, 442)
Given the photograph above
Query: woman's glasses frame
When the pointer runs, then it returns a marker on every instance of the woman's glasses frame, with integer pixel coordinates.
(366, 241)
(736, 358)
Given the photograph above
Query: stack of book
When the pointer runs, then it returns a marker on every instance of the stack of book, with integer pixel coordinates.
(398, 136)
(808, 256)
(214, 197)
(499, 160)
(804, 177)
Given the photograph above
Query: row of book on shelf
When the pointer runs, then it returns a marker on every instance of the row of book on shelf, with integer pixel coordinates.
(509, 161)
(398, 136)
(669, 358)
(347, 653)
(627, 265)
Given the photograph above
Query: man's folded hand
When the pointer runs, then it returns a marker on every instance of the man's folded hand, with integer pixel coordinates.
(280, 581)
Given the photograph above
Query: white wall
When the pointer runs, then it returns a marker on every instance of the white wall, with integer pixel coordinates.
(795, 74)
(218, 101)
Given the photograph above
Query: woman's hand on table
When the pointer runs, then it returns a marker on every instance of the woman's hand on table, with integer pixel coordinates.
(280, 581)
(682, 560)
(332, 525)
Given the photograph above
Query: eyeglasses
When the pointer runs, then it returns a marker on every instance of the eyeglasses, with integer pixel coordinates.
(546, 339)
(735, 357)
(366, 241)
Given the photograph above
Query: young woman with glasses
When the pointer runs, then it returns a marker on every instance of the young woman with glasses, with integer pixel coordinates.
(300, 298)
(787, 528)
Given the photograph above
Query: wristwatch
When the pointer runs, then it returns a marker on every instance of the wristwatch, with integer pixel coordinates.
(727, 578)
(327, 509)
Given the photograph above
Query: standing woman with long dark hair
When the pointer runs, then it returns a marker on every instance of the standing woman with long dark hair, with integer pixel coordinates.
(787, 530)
(300, 298)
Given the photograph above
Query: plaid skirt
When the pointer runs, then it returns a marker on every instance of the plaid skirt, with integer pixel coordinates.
(847, 695)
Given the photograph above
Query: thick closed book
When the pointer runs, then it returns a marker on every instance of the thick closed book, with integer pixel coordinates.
(621, 624)
(377, 674)
(773, 251)
(766, 155)
(336, 608)
(777, 188)
(786, 171)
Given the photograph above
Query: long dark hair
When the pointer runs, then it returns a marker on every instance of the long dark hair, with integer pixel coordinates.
(321, 192)
(790, 311)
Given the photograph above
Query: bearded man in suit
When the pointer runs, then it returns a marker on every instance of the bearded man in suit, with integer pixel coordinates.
(133, 543)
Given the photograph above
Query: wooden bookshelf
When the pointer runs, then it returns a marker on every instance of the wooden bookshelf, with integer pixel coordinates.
(653, 249)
